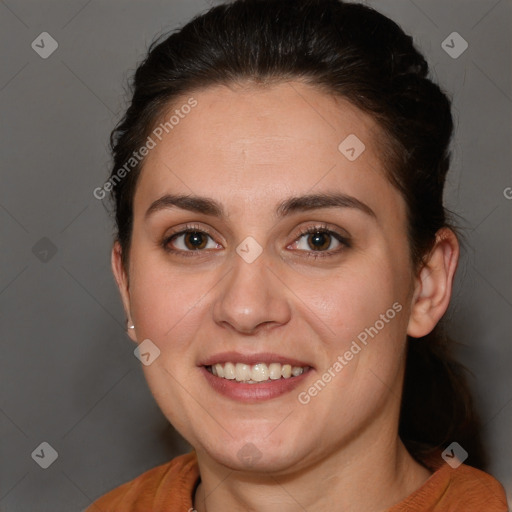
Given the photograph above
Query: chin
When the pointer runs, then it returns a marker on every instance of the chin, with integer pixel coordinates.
(257, 454)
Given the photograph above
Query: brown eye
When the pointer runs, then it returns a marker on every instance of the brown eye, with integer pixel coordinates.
(319, 240)
(189, 240)
(195, 240)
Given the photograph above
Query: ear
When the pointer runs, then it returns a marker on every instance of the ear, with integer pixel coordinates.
(121, 277)
(433, 287)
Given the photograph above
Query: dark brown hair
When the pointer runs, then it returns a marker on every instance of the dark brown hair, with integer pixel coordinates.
(351, 51)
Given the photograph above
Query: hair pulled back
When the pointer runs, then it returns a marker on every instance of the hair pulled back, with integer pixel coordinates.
(351, 51)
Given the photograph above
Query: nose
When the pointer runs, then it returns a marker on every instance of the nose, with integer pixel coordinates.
(252, 297)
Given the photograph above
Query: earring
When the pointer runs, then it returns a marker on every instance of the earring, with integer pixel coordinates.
(131, 326)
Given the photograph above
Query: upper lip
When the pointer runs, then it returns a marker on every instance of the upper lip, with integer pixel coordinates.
(251, 359)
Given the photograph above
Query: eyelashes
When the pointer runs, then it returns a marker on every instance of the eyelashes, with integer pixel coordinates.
(197, 231)
(195, 241)
(314, 232)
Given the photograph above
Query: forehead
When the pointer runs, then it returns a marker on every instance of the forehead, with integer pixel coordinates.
(246, 117)
(245, 143)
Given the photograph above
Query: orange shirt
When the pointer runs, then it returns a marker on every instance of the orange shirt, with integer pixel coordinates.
(169, 488)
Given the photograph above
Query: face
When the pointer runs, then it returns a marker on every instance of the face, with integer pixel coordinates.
(240, 288)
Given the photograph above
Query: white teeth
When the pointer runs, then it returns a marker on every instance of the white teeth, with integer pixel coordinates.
(220, 370)
(229, 371)
(286, 371)
(274, 371)
(297, 370)
(259, 372)
(256, 373)
(243, 372)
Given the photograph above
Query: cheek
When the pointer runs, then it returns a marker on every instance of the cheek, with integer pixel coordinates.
(352, 300)
(163, 298)
(166, 306)
(363, 316)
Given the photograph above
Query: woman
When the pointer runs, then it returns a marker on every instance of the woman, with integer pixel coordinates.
(282, 251)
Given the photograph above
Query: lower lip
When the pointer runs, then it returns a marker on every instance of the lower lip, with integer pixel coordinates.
(260, 392)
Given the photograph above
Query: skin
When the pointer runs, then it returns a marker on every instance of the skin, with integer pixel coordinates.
(250, 148)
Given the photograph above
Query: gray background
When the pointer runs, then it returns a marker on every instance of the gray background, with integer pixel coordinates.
(68, 373)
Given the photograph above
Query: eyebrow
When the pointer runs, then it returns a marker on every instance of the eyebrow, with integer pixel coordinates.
(208, 206)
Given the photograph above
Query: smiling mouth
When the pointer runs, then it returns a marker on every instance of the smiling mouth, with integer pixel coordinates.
(256, 373)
